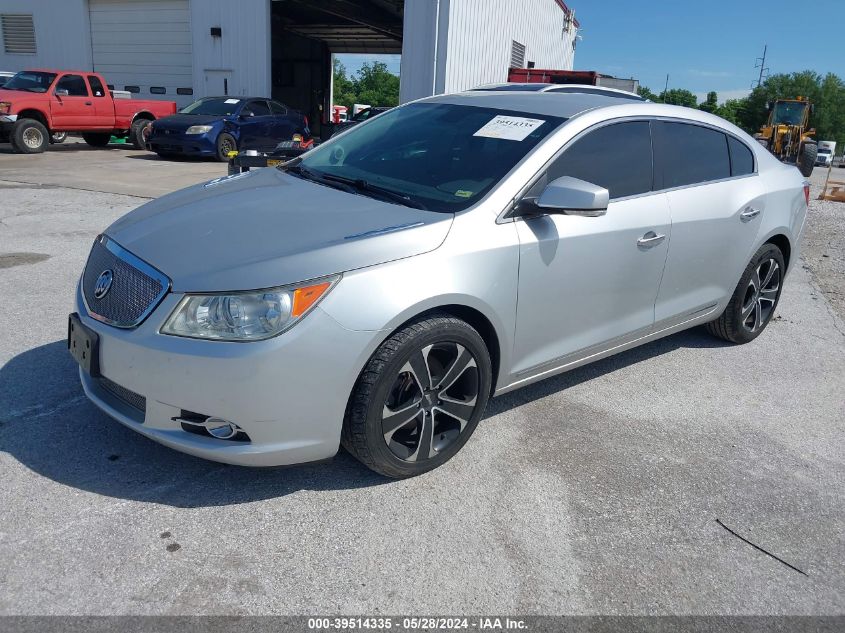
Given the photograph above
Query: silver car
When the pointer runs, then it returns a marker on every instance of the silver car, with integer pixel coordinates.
(378, 290)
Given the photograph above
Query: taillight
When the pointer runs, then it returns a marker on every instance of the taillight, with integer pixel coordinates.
(807, 193)
(306, 120)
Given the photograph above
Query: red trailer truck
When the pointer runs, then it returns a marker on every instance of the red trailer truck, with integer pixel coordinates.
(582, 77)
(36, 103)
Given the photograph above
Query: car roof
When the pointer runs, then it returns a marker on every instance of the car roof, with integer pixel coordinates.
(550, 87)
(565, 104)
(238, 97)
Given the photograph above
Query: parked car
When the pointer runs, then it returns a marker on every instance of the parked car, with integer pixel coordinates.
(561, 88)
(376, 291)
(364, 115)
(215, 126)
(5, 76)
(35, 104)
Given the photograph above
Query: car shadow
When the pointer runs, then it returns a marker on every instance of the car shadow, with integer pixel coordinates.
(48, 425)
(68, 147)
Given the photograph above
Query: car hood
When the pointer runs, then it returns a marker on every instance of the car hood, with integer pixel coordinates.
(267, 228)
(184, 121)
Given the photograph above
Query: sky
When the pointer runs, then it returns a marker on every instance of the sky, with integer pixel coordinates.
(703, 45)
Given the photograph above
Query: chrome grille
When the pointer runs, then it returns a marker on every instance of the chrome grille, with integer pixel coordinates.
(134, 400)
(136, 287)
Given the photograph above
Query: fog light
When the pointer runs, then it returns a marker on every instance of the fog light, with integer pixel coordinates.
(220, 428)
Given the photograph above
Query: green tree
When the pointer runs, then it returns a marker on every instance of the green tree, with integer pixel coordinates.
(373, 85)
(648, 94)
(711, 104)
(730, 110)
(679, 96)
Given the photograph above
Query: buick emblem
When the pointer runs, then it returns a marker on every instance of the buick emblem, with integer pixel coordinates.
(101, 288)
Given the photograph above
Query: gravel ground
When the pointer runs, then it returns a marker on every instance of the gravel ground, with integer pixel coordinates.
(823, 248)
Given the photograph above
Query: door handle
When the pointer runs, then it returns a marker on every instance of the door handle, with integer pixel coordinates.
(88, 103)
(749, 213)
(650, 240)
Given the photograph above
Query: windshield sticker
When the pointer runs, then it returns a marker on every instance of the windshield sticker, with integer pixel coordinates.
(511, 128)
(232, 101)
(463, 194)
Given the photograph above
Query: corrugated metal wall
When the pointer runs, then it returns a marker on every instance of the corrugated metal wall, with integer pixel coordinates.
(241, 55)
(481, 32)
(62, 36)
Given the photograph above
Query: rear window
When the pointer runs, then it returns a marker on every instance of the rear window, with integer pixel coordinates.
(96, 86)
(687, 154)
(742, 160)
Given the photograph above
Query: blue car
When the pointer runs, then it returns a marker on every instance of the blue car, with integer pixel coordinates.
(215, 126)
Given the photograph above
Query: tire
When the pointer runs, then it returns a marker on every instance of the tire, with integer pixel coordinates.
(431, 435)
(96, 139)
(225, 144)
(807, 158)
(29, 136)
(58, 137)
(749, 311)
(138, 133)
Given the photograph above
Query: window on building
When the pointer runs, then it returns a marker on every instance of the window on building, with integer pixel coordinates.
(96, 86)
(742, 160)
(184, 91)
(18, 33)
(132, 89)
(74, 84)
(616, 157)
(687, 154)
(158, 90)
(517, 55)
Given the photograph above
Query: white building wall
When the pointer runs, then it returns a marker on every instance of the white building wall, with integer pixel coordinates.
(454, 45)
(62, 35)
(242, 54)
(481, 32)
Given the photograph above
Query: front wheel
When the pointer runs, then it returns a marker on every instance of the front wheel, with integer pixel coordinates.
(225, 144)
(753, 303)
(807, 158)
(29, 136)
(96, 139)
(419, 398)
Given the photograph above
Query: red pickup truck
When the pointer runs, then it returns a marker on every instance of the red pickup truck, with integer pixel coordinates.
(36, 103)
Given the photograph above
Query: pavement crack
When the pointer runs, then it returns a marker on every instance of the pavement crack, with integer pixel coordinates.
(757, 547)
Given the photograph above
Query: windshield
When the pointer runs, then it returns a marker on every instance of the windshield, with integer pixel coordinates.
(30, 81)
(216, 106)
(440, 156)
(789, 113)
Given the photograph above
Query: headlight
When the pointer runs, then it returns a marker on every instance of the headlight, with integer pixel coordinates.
(198, 129)
(5, 106)
(245, 316)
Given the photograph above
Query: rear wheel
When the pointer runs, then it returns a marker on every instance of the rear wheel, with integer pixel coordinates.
(807, 158)
(29, 136)
(139, 132)
(225, 144)
(58, 137)
(753, 303)
(96, 139)
(419, 398)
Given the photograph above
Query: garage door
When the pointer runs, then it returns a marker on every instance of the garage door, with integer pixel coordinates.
(143, 46)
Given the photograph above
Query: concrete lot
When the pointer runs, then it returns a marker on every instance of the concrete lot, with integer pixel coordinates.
(593, 492)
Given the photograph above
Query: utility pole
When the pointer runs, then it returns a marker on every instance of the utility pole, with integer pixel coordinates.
(760, 63)
(666, 87)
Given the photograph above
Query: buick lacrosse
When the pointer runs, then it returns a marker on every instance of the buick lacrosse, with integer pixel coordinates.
(378, 290)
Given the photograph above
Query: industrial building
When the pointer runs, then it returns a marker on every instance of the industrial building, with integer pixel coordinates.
(185, 49)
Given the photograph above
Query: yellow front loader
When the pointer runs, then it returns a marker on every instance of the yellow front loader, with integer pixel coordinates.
(787, 133)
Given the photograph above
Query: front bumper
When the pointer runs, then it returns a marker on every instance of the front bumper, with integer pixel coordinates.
(188, 145)
(288, 393)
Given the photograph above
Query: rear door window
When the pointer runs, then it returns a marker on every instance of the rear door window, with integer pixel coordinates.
(96, 86)
(688, 154)
(616, 157)
(74, 84)
(742, 160)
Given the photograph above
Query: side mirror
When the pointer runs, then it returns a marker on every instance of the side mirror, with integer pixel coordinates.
(572, 196)
(61, 92)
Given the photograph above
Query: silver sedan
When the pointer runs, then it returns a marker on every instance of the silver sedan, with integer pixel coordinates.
(378, 290)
